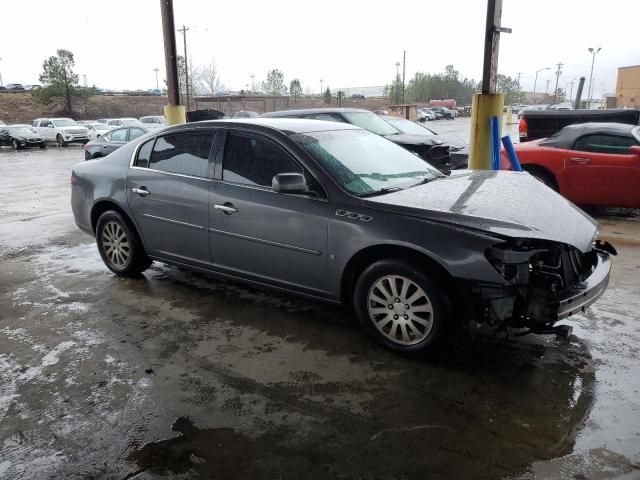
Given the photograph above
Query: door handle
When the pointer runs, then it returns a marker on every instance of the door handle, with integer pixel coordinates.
(580, 160)
(143, 192)
(227, 208)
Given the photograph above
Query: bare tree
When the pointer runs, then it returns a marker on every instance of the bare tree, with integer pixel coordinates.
(209, 79)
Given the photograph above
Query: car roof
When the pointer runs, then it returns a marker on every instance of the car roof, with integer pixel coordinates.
(566, 137)
(284, 125)
(309, 111)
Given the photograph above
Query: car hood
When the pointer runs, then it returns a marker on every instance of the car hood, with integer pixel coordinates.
(73, 127)
(510, 204)
(407, 139)
(26, 137)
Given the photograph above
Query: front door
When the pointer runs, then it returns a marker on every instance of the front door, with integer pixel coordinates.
(259, 234)
(168, 191)
(601, 171)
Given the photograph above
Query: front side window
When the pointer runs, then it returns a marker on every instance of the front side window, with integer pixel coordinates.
(135, 132)
(183, 153)
(602, 143)
(119, 135)
(364, 163)
(253, 161)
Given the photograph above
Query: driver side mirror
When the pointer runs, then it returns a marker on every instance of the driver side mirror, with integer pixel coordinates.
(289, 183)
(634, 150)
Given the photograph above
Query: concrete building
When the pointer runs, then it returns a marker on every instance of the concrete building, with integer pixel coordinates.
(628, 87)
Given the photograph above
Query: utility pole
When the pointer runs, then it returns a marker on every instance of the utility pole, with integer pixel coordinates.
(84, 78)
(519, 99)
(555, 92)
(184, 31)
(404, 64)
(156, 69)
(0, 73)
(593, 52)
(571, 91)
(321, 92)
(174, 112)
(253, 83)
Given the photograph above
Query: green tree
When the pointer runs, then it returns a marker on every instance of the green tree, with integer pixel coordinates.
(295, 88)
(394, 91)
(274, 84)
(60, 80)
(426, 86)
(508, 86)
(327, 96)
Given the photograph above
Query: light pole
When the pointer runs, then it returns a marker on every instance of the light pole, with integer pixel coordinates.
(0, 73)
(535, 82)
(571, 92)
(593, 52)
(253, 83)
(157, 70)
(320, 87)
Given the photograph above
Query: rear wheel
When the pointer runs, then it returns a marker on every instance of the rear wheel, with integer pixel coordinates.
(543, 176)
(402, 308)
(119, 245)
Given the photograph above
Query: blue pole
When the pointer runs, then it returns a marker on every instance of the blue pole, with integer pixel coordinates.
(511, 154)
(495, 143)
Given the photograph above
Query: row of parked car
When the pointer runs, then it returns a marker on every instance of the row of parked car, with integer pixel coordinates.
(64, 131)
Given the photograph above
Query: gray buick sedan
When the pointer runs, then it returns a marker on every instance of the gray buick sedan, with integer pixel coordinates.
(337, 213)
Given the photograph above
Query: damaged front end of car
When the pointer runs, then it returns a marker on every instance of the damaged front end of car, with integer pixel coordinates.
(544, 282)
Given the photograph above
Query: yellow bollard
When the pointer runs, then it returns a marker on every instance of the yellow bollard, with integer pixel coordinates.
(175, 114)
(483, 107)
(509, 115)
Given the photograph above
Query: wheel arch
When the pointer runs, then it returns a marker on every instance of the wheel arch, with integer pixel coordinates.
(536, 167)
(368, 255)
(102, 206)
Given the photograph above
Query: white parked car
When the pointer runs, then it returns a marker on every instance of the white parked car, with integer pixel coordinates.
(123, 122)
(425, 114)
(61, 130)
(96, 129)
(153, 121)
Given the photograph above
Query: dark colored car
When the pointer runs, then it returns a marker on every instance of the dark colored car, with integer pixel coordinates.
(457, 155)
(427, 147)
(588, 163)
(334, 212)
(444, 112)
(111, 141)
(20, 136)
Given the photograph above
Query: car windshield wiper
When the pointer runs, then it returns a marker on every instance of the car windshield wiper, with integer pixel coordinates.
(381, 191)
(424, 180)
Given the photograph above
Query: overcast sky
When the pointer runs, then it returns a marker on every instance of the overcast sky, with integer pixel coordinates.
(117, 43)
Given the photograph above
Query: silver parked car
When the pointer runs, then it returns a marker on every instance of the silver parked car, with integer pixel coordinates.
(334, 212)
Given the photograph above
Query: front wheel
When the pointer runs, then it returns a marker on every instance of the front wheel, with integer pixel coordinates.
(119, 245)
(15, 144)
(402, 308)
(60, 141)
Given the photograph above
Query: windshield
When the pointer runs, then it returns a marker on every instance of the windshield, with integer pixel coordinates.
(100, 126)
(370, 121)
(409, 127)
(64, 122)
(24, 131)
(364, 163)
(131, 121)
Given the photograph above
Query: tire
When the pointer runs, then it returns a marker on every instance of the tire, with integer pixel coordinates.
(544, 177)
(412, 320)
(43, 146)
(127, 257)
(15, 144)
(60, 141)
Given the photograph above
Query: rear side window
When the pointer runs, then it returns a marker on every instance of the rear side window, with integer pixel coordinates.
(135, 133)
(253, 161)
(184, 153)
(601, 143)
(119, 135)
(144, 154)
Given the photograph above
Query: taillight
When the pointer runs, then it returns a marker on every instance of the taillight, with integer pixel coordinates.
(522, 128)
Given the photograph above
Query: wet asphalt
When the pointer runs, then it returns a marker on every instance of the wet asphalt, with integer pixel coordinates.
(177, 375)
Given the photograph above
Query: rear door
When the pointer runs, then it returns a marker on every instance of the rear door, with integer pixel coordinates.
(599, 170)
(114, 140)
(168, 189)
(259, 234)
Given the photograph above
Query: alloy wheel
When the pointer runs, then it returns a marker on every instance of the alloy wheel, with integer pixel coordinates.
(400, 309)
(116, 244)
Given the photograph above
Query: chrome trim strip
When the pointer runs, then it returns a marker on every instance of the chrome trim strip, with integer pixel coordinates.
(266, 242)
(177, 222)
(171, 173)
